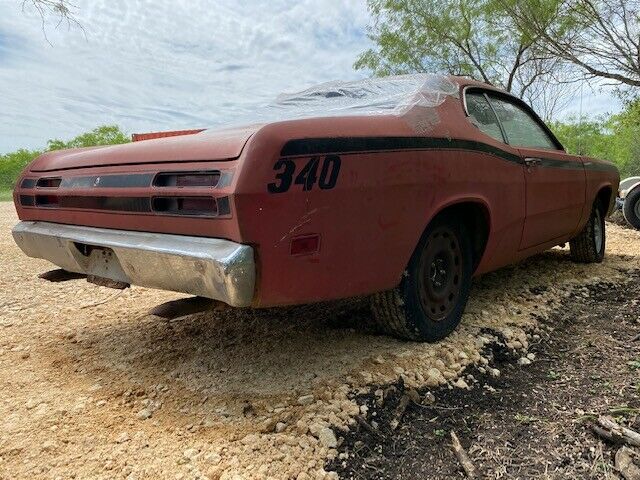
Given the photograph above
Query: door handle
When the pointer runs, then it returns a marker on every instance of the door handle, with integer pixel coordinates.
(532, 162)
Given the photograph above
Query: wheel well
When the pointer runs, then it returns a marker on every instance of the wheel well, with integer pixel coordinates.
(604, 195)
(475, 217)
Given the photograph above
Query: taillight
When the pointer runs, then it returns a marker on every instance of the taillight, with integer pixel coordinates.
(28, 183)
(47, 201)
(208, 180)
(49, 182)
(27, 200)
(187, 179)
(198, 206)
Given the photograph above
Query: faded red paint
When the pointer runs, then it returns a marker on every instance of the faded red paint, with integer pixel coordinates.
(369, 224)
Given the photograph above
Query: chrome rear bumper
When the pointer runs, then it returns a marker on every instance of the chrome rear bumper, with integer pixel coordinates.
(208, 267)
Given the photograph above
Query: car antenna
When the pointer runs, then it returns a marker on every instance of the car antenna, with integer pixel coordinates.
(580, 152)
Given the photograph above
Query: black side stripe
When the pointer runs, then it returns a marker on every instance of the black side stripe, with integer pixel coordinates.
(562, 164)
(574, 165)
(601, 166)
(319, 146)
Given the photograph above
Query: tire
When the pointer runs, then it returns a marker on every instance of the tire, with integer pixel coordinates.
(631, 208)
(589, 245)
(429, 302)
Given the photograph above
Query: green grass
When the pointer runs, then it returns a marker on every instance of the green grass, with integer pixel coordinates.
(5, 195)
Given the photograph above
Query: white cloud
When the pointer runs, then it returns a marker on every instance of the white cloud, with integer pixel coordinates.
(157, 65)
(169, 64)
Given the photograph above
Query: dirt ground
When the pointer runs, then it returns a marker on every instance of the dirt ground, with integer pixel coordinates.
(92, 386)
(531, 421)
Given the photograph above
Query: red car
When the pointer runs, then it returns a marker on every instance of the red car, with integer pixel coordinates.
(402, 187)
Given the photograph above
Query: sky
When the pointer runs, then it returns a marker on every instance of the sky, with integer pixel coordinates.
(173, 64)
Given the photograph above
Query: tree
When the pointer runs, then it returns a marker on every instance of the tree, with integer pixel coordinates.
(11, 164)
(551, 91)
(472, 38)
(601, 37)
(584, 136)
(625, 138)
(62, 10)
(103, 135)
(615, 137)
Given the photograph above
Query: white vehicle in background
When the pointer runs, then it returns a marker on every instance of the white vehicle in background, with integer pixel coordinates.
(629, 200)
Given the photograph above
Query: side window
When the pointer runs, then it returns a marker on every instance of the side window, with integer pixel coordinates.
(482, 116)
(521, 129)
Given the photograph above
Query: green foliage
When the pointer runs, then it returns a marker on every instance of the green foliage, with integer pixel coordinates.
(553, 375)
(12, 164)
(103, 135)
(615, 138)
(625, 132)
(430, 35)
(583, 136)
(475, 38)
(6, 195)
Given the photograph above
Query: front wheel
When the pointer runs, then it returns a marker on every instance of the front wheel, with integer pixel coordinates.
(429, 302)
(589, 245)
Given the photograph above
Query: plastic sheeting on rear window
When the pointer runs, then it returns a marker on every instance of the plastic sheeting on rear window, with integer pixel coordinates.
(395, 95)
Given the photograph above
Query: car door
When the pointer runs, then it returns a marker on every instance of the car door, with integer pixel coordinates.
(555, 181)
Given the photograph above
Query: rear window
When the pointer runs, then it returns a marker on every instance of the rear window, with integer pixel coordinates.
(482, 115)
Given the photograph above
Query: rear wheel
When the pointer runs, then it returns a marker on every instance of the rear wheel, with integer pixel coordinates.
(589, 245)
(631, 208)
(429, 302)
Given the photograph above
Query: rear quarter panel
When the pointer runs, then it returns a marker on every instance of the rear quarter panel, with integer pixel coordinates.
(372, 220)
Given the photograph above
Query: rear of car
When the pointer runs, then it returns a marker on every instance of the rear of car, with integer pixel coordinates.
(156, 213)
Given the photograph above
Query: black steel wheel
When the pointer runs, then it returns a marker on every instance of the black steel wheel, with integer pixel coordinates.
(589, 245)
(429, 302)
(440, 274)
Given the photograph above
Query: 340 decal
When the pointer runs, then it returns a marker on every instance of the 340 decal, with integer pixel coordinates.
(308, 176)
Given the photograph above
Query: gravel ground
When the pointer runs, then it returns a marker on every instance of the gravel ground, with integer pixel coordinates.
(92, 386)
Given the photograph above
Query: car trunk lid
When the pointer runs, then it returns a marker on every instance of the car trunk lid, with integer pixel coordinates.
(219, 145)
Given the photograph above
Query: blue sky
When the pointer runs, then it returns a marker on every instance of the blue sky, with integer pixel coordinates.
(171, 64)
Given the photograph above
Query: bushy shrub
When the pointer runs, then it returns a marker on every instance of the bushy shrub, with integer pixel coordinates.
(615, 137)
(12, 164)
